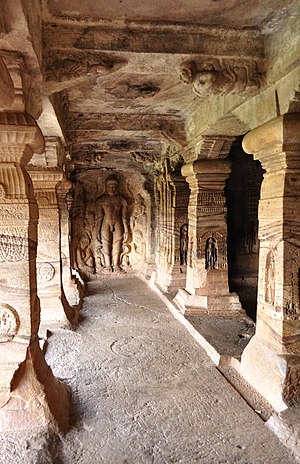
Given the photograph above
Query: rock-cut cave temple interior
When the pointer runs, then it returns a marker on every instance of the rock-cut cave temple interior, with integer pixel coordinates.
(155, 146)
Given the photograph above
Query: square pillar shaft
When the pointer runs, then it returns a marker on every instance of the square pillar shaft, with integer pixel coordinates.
(276, 345)
(207, 288)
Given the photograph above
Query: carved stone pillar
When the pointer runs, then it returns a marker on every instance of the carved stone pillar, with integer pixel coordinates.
(206, 289)
(271, 361)
(29, 394)
(46, 174)
(173, 230)
(54, 307)
(71, 288)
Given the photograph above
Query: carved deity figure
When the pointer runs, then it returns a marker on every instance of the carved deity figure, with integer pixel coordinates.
(183, 244)
(211, 254)
(111, 223)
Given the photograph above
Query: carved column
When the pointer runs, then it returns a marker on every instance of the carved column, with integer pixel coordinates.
(271, 361)
(207, 289)
(29, 394)
(72, 287)
(46, 174)
(173, 204)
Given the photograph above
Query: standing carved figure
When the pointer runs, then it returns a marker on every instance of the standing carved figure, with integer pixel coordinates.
(184, 238)
(111, 223)
(211, 253)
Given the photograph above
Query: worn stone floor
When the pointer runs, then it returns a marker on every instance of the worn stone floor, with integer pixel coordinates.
(143, 392)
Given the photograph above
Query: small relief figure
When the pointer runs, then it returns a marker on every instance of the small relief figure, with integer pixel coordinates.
(111, 223)
(211, 254)
(270, 279)
(183, 244)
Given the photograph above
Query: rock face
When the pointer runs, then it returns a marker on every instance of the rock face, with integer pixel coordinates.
(121, 128)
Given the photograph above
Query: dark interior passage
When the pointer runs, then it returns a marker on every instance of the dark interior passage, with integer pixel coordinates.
(242, 194)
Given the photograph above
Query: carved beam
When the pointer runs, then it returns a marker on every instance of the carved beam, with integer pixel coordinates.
(168, 40)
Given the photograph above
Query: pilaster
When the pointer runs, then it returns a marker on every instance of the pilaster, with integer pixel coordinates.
(171, 197)
(271, 362)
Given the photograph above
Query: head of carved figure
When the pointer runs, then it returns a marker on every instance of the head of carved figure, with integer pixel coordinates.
(205, 82)
(187, 72)
(111, 185)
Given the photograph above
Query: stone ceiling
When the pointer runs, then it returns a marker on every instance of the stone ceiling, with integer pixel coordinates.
(129, 76)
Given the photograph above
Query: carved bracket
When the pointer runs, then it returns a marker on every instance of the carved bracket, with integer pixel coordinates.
(223, 77)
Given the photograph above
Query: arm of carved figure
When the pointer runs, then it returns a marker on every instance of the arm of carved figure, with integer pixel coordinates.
(98, 220)
(124, 219)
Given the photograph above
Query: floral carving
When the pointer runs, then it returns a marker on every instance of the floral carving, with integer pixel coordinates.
(45, 272)
(9, 323)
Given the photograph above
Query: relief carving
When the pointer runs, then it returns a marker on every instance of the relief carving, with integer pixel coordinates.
(270, 278)
(132, 91)
(184, 240)
(222, 77)
(111, 224)
(62, 69)
(9, 323)
(13, 245)
(211, 254)
(45, 272)
(213, 247)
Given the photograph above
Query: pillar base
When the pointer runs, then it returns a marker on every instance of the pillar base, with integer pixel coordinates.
(218, 305)
(56, 311)
(37, 399)
(273, 374)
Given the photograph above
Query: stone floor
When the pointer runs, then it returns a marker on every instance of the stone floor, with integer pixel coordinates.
(143, 391)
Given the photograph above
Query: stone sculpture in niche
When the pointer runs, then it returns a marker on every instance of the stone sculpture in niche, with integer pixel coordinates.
(183, 244)
(111, 224)
(211, 253)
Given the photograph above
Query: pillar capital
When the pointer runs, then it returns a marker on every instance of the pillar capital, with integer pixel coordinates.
(268, 142)
(206, 168)
(20, 137)
(209, 147)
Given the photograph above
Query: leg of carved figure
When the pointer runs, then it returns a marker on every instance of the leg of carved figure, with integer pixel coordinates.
(30, 396)
(207, 287)
(271, 361)
(106, 239)
(117, 246)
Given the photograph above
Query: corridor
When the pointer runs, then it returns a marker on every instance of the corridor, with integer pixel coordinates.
(145, 392)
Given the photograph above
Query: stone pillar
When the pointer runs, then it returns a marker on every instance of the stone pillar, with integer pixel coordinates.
(72, 287)
(173, 211)
(207, 289)
(30, 396)
(271, 361)
(55, 310)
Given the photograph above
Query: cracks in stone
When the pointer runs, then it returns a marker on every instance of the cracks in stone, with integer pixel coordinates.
(135, 305)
